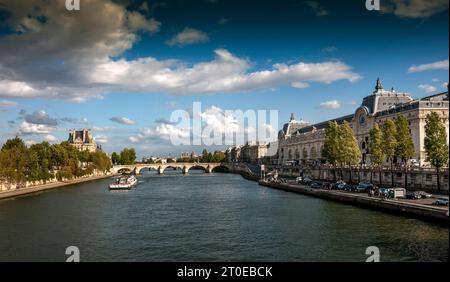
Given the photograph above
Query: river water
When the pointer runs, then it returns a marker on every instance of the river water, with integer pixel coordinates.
(205, 217)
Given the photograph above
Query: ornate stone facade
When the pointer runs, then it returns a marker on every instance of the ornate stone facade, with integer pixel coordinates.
(82, 140)
(300, 141)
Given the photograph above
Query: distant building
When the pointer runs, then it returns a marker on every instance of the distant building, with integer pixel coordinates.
(82, 140)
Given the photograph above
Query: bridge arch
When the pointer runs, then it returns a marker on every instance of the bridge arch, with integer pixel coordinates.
(220, 168)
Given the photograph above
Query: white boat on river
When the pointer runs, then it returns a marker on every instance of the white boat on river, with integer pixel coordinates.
(124, 182)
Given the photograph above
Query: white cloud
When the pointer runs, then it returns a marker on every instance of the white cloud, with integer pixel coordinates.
(427, 88)
(26, 128)
(102, 139)
(414, 8)
(334, 104)
(71, 58)
(213, 120)
(445, 85)
(122, 120)
(435, 80)
(226, 73)
(49, 138)
(300, 84)
(188, 36)
(440, 65)
(6, 103)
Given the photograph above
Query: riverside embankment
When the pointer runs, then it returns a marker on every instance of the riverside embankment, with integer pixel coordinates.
(425, 212)
(44, 187)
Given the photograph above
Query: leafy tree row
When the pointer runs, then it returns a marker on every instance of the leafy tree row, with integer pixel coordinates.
(341, 147)
(126, 157)
(395, 142)
(42, 161)
(206, 157)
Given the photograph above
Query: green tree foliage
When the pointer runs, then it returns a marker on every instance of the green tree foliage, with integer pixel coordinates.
(331, 146)
(127, 156)
(115, 158)
(390, 140)
(376, 146)
(405, 146)
(42, 162)
(349, 152)
(436, 145)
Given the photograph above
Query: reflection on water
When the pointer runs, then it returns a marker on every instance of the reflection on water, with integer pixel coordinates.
(205, 217)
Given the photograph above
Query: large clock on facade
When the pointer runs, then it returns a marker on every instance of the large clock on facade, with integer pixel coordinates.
(362, 119)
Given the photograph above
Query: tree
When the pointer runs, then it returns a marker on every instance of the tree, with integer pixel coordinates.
(330, 147)
(349, 152)
(115, 158)
(376, 148)
(390, 143)
(405, 146)
(127, 156)
(13, 161)
(436, 145)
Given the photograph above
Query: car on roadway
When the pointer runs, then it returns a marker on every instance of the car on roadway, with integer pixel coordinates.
(424, 194)
(339, 185)
(441, 202)
(350, 187)
(315, 185)
(413, 195)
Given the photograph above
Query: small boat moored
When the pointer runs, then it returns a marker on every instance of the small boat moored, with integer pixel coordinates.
(124, 182)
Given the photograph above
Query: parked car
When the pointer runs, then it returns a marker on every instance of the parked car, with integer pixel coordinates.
(413, 195)
(306, 181)
(441, 202)
(424, 194)
(363, 187)
(382, 192)
(350, 188)
(339, 185)
(316, 185)
(299, 180)
(327, 186)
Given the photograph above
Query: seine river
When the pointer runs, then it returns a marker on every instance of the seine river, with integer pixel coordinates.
(205, 217)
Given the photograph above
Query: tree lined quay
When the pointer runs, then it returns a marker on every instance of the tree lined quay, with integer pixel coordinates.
(389, 142)
(42, 163)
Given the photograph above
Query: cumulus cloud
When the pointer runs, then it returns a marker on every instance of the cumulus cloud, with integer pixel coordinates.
(334, 104)
(427, 88)
(6, 103)
(77, 56)
(26, 128)
(226, 73)
(214, 121)
(439, 65)
(122, 120)
(188, 36)
(40, 117)
(414, 8)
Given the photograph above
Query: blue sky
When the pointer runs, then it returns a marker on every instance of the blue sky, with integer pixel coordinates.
(119, 66)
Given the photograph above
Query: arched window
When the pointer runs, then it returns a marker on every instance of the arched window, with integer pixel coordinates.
(313, 153)
(305, 154)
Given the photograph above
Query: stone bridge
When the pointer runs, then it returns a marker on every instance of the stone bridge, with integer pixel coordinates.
(184, 167)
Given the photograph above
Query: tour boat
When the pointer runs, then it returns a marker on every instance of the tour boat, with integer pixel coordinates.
(124, 182)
